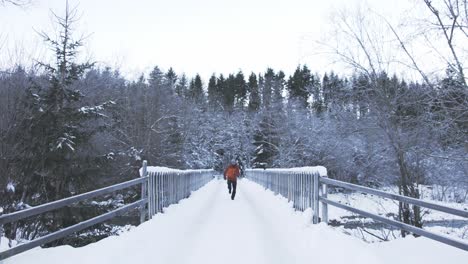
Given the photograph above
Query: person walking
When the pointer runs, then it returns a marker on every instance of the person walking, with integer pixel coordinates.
(230, 174)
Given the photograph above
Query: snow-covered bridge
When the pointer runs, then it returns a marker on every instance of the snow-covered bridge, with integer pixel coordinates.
(259, 226)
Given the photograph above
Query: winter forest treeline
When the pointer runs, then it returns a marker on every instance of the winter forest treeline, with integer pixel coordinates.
(72, 127)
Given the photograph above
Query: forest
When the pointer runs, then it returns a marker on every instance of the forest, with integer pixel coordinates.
(70, 126)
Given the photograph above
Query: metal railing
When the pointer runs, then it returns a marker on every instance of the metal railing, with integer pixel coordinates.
(296, 186)
(404, 199)
(290, 184)
(158, 190)
(169, 187)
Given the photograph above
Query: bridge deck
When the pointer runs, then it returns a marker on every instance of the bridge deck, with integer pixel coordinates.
(256, 227)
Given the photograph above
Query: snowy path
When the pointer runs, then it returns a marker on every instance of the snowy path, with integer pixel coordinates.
(257, 227)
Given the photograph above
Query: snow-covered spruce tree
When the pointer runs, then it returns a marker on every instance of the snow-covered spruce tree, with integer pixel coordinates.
(214, 93)
(266, 141)
(267, 87)
(268, 124)
(334, 92)
(221, 84)
(51, 143)
(449, 112)
(195, 91)
(229, 93)
(182, 86)
(150, 125)
(240, 89)
(170, 129)
(170, 80)
(299, 84)
(254, 93)
(278, 89)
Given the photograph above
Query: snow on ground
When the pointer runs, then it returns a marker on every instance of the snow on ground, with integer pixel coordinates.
(10, 187)
(3, 243)
(454, 226)
(257, 227)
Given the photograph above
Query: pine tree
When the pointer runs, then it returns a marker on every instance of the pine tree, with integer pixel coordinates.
(54, 143)
(266, 142)
(268, 88)
(213, 92)
(361, 87)
(299, 85)
(315, 88)
(229, 92)
(452, 102)
(254, 97)
(181, 88)
(58, 125)
(334, 92)
(156, 95)
(240, 88)
(327, 88)
(196, 90)
(170, 79)
(278, 88)
(156, 78)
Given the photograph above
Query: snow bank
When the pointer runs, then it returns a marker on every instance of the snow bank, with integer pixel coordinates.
(10, 187)
(3, 243)
(322, 171)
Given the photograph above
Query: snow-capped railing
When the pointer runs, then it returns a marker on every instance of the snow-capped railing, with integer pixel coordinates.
(160, 187)
(296, 184)
(302, 187)
(168, 186)
(404, 199)
(17, 216)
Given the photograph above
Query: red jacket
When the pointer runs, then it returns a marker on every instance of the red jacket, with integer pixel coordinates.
(232, 172)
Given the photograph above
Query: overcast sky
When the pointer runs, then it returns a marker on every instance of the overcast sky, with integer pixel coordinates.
(203, 36)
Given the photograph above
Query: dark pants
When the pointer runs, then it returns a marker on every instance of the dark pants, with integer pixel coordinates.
(234, 186)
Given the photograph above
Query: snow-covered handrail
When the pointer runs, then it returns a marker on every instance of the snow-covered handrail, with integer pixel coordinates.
(160, 187)
(296, 184)
(16, 216)
(404, 199)
(168, 186)
(302, 187)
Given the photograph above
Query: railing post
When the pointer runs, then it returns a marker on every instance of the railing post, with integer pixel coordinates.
(153, 193)
(157, 190)
(324, 205)
(143, 192)
(315, 219)
(1, 233)
(150, 196)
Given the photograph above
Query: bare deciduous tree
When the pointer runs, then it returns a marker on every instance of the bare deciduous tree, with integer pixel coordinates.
(450, 19)
(16, 2)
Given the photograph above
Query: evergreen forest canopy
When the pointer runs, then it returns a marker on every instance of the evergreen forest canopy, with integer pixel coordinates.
(72, 127)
